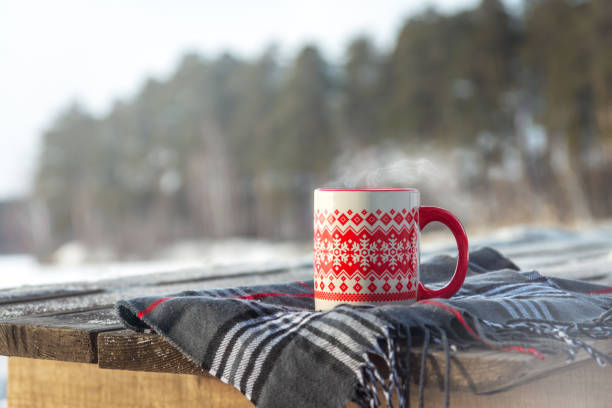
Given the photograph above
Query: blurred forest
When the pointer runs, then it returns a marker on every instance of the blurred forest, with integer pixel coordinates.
(500, 116)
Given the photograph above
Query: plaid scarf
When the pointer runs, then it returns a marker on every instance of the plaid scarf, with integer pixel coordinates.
(269, 343)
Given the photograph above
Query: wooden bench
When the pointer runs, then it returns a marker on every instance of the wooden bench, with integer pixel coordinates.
(68, 349)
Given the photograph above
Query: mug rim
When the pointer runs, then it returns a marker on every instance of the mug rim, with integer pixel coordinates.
(367, 189)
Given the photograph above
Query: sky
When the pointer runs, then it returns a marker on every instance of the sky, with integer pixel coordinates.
(53, 53)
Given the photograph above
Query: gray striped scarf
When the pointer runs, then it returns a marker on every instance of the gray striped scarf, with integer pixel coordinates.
(269, 343)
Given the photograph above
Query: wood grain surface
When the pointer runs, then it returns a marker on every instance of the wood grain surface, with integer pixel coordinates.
(66, 337)
(126, 350)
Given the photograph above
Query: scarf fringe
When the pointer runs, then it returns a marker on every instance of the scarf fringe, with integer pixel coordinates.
(393, 376)
(557, 336)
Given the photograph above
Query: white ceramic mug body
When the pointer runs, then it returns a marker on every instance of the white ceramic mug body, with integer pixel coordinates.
(366, 246)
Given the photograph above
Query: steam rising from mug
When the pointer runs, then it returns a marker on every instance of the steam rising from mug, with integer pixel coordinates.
(367, 169)
(436, 174)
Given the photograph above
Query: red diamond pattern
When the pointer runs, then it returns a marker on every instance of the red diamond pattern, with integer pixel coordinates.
(372, 287)
(357, 287)
(393, 215)
(399, 286)
(386, 287)
(343, 287)
(371, 219)
(331, 286)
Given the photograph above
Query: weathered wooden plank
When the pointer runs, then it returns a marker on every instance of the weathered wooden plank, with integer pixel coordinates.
(40, 383)
(66, 337)
(127, 350)
(29, 294)
(154, 287)
(477, 371)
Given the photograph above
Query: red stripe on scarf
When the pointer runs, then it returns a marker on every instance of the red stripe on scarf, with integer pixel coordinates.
(152, 306)
(459, 316)
(262, 295)
(601, 291)
(305, 285)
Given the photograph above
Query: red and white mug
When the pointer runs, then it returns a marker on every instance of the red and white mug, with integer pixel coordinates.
(366, 247)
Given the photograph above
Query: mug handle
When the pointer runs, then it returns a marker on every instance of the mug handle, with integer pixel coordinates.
(427, 215)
